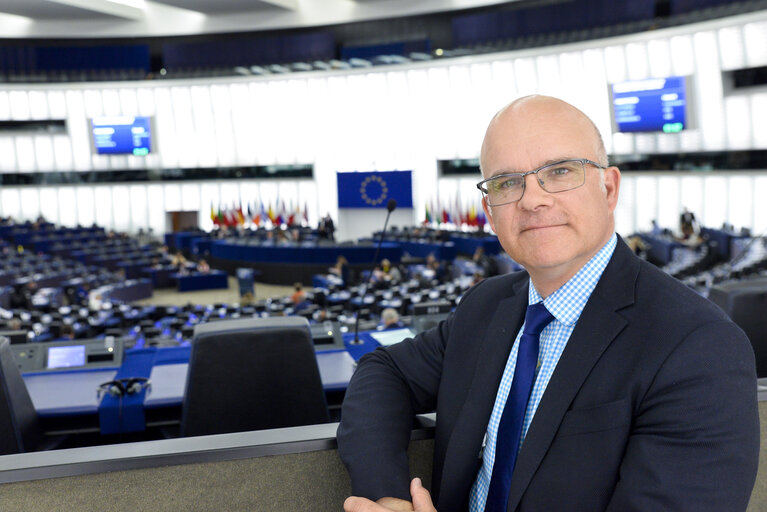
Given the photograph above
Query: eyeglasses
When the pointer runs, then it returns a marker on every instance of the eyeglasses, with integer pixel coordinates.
(557, 177)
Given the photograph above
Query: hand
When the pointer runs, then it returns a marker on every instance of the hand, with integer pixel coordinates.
(421, 502)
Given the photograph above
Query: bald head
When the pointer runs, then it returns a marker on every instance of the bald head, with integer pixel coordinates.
(515, 123)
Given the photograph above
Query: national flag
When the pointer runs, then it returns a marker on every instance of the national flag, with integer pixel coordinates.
(239, 216)
(427, 218)
(213, 215)
(306, 213)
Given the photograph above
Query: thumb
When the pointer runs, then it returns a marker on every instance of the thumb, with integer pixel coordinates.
(421, 497)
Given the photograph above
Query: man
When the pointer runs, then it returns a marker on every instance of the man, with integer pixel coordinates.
(644, 393)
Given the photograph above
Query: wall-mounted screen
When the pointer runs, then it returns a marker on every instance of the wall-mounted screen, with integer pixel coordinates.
(122, 135)
(651, 105)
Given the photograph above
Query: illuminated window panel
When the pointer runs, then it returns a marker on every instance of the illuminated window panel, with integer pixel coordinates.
(38, 105)
(715, 195)
(300, 151)
(204, 137)
(223, 125)
(185, 137)
(30, 203)
(129, 102)
(94, 105)
(439, 84)
(102, 201)
(465, 121)
(165, 127)
(731, 45)
(625, 218)
(503, 85)
(243, 119)
(49, 204)
(595, 101)
(682, 55)
(79, 131)
(549, 78)
(157, 221)
(19, 105)
(647, 202)
(10, 203)
(667, 142)
(44, 154)
(741, 201)
(615, 64)
(172, 197)
(755, 35)
(668, 201)
(262, 105)
(121, 207)
(85, 206)
(691, 194)
(738, 115)
(527, 79)
(659, 56)
(7, 154)
(57, 104)
(281, 125)
(760, 207)
(111, 100)
(139, 207)
(5, 106)
(190, 197)
(636, 56)
(25, 153)
(708, 82)
(690, 140)
(759, 122)
(622, 143)
(645, 142)
(68, 206)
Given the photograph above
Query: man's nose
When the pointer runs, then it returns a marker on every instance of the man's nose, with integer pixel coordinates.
(534, 196)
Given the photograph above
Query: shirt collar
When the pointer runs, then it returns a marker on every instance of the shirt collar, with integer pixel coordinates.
(568, 301)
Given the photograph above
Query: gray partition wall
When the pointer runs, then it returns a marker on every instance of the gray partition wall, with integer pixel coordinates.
(277, 470)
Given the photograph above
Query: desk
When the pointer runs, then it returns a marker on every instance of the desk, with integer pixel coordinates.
(67, 400)
(213, 280)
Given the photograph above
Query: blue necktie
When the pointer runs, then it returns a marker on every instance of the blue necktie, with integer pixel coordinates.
(510, 428)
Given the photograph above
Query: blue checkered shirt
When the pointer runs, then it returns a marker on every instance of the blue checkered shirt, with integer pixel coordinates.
(566, 305)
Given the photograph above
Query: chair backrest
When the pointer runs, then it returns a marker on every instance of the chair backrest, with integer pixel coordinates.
(745, 302)
(252, 374)
(19, 428)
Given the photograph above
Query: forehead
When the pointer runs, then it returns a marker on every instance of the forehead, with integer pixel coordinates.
(528, 139)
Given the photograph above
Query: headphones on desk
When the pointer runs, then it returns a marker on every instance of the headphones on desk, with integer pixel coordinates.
(125, 386)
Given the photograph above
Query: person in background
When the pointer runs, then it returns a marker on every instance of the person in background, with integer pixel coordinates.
(590, 382)
(390, 319)
(203, 267)
(299, 295)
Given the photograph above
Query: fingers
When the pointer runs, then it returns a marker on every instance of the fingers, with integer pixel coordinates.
(421, 497)
(355, 504)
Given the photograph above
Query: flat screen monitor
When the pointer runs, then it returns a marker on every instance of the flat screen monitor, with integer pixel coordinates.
(15, 336)
(66, 356)
(122, 135)
(651, 105)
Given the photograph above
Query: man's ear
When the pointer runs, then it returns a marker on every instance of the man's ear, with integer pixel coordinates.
(488, 213)
(612, 186)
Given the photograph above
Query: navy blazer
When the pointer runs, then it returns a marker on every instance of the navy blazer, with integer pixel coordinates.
(652, 405)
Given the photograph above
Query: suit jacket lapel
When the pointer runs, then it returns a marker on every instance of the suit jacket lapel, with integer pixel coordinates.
(462, 454)
(597, 327)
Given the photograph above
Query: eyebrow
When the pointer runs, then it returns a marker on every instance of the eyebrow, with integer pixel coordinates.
(544, 164)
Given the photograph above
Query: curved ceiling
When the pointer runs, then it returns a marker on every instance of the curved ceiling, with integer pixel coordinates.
(151, 18)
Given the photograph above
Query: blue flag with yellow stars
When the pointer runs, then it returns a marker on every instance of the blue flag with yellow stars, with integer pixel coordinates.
(374, 189)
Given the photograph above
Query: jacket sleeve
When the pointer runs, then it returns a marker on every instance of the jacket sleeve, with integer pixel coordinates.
(695, 439)
(390, 386)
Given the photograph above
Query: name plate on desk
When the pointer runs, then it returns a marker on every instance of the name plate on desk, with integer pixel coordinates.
(69, 355)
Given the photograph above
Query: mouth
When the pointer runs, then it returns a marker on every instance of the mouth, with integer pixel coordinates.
(540, 228)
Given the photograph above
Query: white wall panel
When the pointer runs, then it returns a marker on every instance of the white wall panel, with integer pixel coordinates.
(128, 102)
(43, 153)
(79, 130)
(7, 154)
(155, 197)
(659, 55)
(57, 104)
(741, 201)
(25, 153)
(636, 60)
(121, 208)
(111, 102)
(527, 78)
(691, 195)
(185, 136)
(244, 120)
(668, 201)
(682, 55)
(760, 205)
(738, 115)
(5, 105)
(759, 121)
(708, 82)
(646, 202)
(625, 211)
(226, 151)
(732, 51)
(166, 140)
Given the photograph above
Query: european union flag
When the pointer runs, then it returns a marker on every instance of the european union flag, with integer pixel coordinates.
(374, 189)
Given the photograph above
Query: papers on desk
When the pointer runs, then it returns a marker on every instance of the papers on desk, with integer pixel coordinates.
(391, 336)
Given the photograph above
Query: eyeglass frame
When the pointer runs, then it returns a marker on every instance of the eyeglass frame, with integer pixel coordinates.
(522, 175)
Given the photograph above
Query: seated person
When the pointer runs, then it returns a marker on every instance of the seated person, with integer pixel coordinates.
(299, 295)
(67, 332)
(390, 319)
(203, 267)
(179, 262)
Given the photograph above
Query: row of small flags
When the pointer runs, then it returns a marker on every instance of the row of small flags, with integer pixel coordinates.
(454, 214)
(259, 215)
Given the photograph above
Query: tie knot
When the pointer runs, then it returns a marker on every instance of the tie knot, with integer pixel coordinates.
(537, 318)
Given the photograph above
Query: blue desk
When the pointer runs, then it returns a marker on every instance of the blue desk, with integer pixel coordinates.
(213, 280)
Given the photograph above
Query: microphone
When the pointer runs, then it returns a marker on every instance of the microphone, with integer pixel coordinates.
(390, 207)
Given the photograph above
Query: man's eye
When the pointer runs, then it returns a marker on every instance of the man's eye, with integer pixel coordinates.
(560, 171)
(509, 183)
